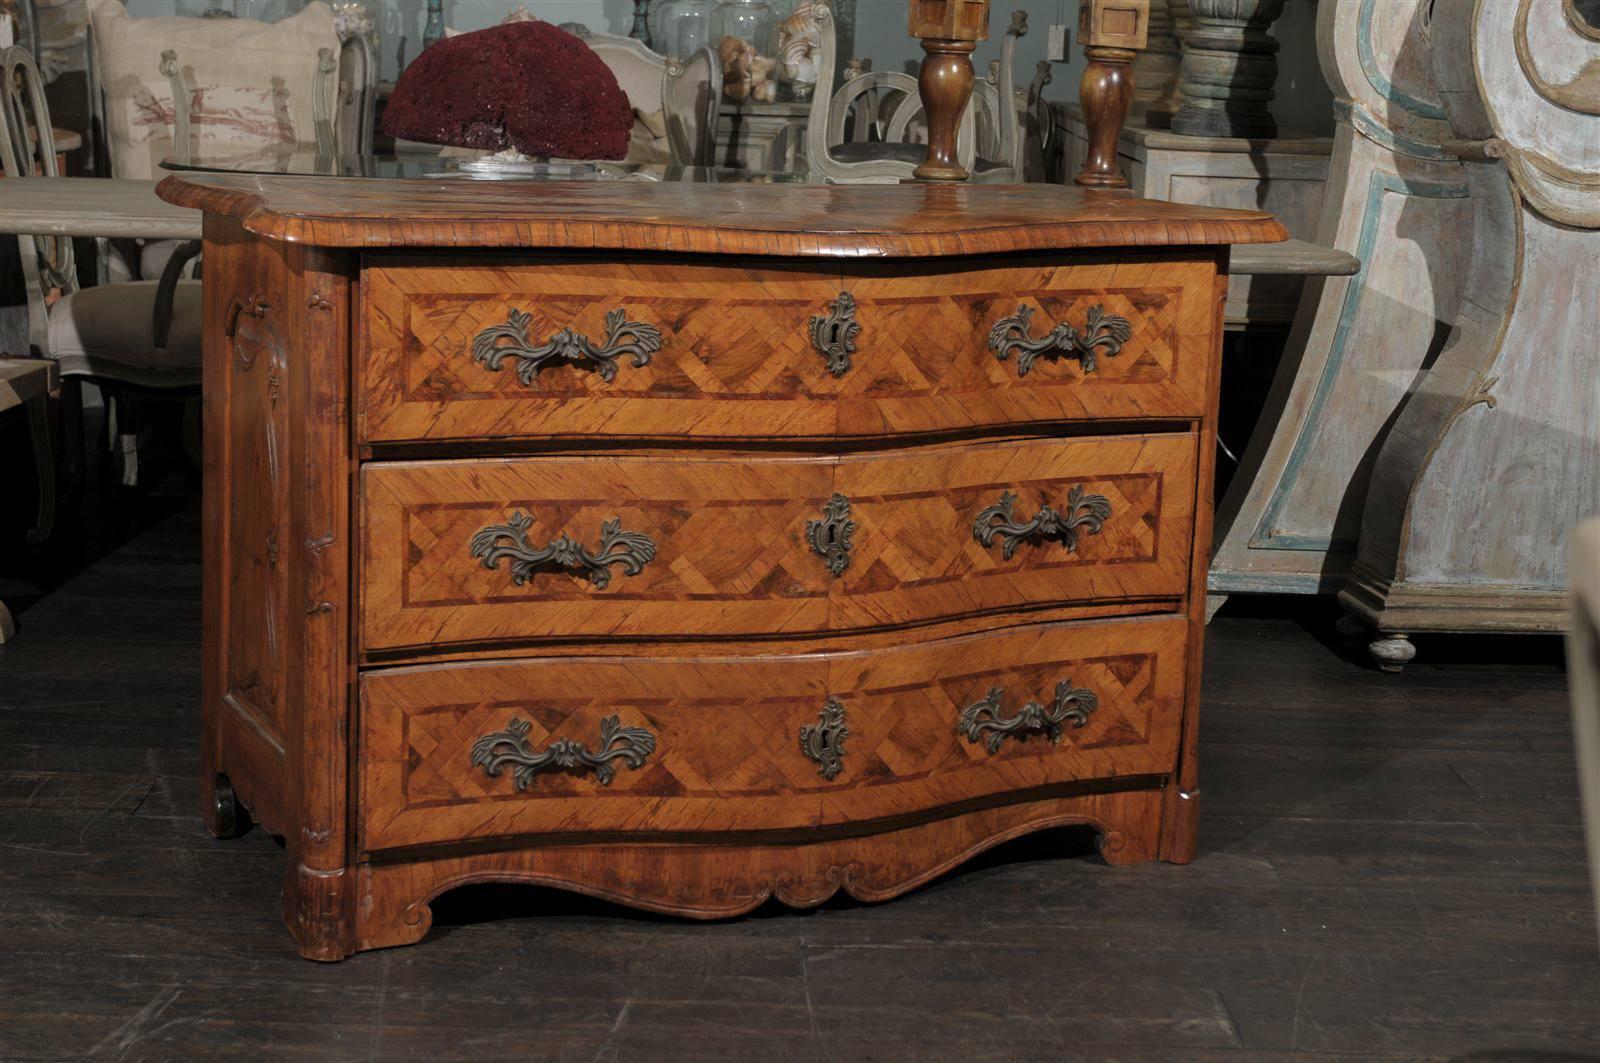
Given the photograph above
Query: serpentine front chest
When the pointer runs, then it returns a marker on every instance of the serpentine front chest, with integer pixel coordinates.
(688, 545)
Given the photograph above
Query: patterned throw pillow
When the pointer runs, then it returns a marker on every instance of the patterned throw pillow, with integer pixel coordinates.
(250, 84)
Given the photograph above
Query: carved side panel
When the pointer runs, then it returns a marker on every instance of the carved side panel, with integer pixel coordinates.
(1399, 201)
(276, 561)
(246, 589)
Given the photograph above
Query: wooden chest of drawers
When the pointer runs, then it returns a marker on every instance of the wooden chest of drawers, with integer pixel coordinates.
(592, 536)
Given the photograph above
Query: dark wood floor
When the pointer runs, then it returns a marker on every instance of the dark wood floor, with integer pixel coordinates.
(1391, 866)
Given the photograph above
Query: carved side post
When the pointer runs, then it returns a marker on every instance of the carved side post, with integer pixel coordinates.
(1112, 32)
(949, 31)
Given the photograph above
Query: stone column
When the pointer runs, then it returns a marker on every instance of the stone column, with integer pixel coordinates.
(1230, 64)
(1156, 69)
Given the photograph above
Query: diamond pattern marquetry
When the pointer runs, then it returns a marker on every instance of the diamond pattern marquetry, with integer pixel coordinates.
(736, 352)
(733, 732)
(731, 555)
(911, 544)
(746, 748)
(704, 551)
(710, 521)
(761, 349)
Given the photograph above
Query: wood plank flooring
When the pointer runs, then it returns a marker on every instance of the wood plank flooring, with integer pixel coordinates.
(1391, 867)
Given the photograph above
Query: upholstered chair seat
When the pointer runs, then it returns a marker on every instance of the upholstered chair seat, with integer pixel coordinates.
(109, 331)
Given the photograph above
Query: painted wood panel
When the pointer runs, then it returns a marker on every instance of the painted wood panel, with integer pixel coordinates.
(1400, 202)
(1483, 479)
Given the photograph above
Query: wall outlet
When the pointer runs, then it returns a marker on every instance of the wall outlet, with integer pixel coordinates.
(1056, 44)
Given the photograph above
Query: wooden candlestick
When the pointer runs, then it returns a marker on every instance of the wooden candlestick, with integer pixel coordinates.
(1112, 32)
(949, 31)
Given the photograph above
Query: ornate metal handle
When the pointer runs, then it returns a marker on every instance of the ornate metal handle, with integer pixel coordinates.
(493, 751)
(1086, 511)
(631, 550)
(982, 722)
(823, 741)
(830, 536)
(1100, 329)
(566, 347)
(834, 336)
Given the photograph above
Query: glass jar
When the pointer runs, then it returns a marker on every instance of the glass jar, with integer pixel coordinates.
(681, 27)
(433, 27)
(744, 34)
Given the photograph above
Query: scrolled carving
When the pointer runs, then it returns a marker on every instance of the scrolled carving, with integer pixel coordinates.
(498, 749)
(1100, 331)
(1085, 514)
(823, 741)
(834, 336)
(830, 536)
(631, 550)
(567, 347)
(982, 721)
(253, 305)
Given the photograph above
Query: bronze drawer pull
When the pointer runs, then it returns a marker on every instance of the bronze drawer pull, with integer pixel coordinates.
(823, 741)
(1086, 511)
(493, 751)
(834, 336)
(830, 536)
(631, 550)
(1100, 330)
(567, 347)
(981, 721)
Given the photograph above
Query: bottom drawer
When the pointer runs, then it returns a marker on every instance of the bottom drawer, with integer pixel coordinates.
(717, 744)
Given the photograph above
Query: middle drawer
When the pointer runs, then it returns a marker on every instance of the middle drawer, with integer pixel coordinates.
(662, 546)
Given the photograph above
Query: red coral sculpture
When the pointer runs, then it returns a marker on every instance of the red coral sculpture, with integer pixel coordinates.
(523, 85)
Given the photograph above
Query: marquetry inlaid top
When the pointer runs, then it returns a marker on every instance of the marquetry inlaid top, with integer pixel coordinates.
(843, 221)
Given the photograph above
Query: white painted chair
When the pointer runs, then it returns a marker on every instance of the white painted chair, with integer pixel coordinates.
(861, 111)
(127, 337)
(891, 99)
(324, 88)
(1001, 107)
(691, 97)
(642, 74)
(355, 114)
(639, 70)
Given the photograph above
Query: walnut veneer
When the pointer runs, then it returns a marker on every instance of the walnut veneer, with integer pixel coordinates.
(693, 545)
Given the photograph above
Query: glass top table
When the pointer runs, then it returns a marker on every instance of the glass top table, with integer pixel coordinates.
(451, 163)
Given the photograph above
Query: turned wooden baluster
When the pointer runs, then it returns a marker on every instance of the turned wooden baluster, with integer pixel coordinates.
(949, 31)
(1112, 32)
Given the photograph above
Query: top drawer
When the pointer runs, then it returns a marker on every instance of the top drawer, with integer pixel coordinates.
(744, 349)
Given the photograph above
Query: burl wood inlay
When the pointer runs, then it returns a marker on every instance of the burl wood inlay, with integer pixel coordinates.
(736, 350)
(555, 534)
